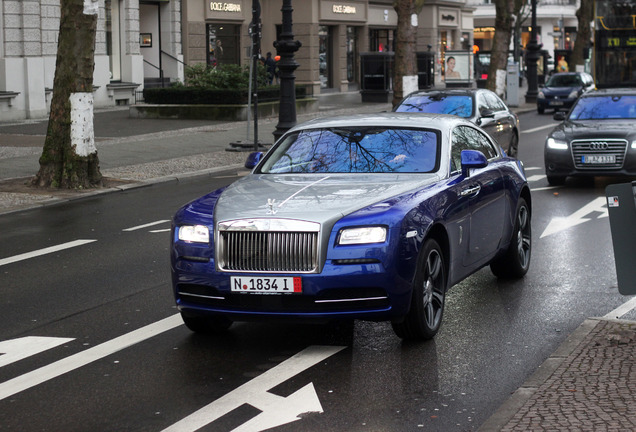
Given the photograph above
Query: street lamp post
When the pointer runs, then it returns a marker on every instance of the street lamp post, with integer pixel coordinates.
(532, 56)
(286, 46)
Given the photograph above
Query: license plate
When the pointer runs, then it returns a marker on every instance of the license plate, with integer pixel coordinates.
(556, 103)
(598, 159)
(266, 285)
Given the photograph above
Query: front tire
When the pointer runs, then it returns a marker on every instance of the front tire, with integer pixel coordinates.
(556, 180)
(514, 263)
(424, 317)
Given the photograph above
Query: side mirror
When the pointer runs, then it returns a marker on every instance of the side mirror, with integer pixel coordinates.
(472, 159)
(253, 159)
(559, 116)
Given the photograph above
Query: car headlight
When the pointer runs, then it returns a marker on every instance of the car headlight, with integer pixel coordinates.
(362, 235)
(194, 234)
(573, 94)
(541, 95)
(634, 144)
(556, 144)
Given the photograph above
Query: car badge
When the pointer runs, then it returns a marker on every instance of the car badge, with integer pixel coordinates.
(270, 204)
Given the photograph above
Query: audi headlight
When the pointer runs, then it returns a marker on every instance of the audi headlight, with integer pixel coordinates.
(556, 144)
(634, 144)
(362, 235)
(573, 94)
(540, 95)
(194, 234)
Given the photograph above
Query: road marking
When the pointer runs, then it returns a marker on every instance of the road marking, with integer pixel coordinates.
(538, 128)
(276, 410)
(44, 251)
(578, 217)
(622, 309)
(160, 231)
(68, 364)
(536, 177)
(138, 227)
(17, 349)
(532, 168)
(544, 188)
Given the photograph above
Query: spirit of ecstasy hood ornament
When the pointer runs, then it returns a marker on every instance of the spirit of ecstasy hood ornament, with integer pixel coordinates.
(270, 204)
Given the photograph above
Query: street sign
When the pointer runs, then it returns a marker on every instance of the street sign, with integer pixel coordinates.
(621, 203)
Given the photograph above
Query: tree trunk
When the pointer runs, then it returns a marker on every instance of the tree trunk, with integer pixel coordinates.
(69, 158)
(504, 10)
(405, 61)
(585, 15)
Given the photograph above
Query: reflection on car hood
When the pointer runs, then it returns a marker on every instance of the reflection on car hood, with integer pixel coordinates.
(559, 90)
(598, 128)
(311, 197)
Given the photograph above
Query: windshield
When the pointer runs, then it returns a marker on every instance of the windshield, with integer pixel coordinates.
(355, 150)
(564, 81)
(604, 107)
(459, 105)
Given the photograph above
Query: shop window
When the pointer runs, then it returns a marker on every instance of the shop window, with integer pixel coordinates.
(324, 53)
(223, 42)
(381, 40)
(352, 54)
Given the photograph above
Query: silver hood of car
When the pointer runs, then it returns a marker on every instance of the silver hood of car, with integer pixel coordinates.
(311, 197)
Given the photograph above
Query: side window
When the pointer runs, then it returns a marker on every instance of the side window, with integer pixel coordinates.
(467, 138)
(485, 146)
(482, 104)
(494, 103)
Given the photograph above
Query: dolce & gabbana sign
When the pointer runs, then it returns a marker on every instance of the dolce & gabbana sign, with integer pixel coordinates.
(225, 7)
(232, 10)
(343, 10)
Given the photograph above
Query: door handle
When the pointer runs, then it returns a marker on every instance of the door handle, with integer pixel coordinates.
(470, 191)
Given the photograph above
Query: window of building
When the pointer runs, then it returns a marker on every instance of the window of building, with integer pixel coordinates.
(223, 43)
(352, 54)
(324, 54)
(381, 40)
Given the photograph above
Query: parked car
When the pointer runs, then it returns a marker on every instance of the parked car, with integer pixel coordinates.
(367, 217)
(562, 89)
(597, 137)
(482, 107)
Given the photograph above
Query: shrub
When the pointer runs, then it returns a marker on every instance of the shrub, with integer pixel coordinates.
(228, 77)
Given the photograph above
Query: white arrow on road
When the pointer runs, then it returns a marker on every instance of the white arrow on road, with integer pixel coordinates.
(578, 217)
(276, 410)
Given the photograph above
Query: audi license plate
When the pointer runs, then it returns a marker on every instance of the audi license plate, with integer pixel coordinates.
(598, 159)
(266, 285)
(556, 103)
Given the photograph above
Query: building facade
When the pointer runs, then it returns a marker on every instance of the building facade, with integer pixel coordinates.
(333, 34)
(123, 59)
(144, 43)
(556, 28)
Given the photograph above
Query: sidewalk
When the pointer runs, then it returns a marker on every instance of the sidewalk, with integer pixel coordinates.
(588, 384)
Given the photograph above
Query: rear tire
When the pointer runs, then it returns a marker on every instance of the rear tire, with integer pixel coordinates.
(514, 263)
(424, 317)
(206, 325)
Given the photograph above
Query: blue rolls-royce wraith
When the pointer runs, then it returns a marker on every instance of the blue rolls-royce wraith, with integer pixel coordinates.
(367, 217)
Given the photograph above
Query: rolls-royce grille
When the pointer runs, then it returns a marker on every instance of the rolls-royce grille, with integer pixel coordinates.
(599, 153)
(269, 251)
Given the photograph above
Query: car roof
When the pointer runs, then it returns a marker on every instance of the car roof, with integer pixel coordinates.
(392, 119)
(461, 92)
(615, 91)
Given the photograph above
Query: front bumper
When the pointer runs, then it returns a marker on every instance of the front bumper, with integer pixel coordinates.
(339, 291)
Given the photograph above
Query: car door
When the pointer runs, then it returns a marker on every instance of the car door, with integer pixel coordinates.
(504, 122)
(484, 187)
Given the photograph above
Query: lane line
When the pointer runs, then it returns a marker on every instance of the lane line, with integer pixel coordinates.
(622, 309)
(538, 128)
(138, 227)
(75, 361)
(44, 251)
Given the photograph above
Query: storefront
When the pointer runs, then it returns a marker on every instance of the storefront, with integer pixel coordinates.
(332, 33)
